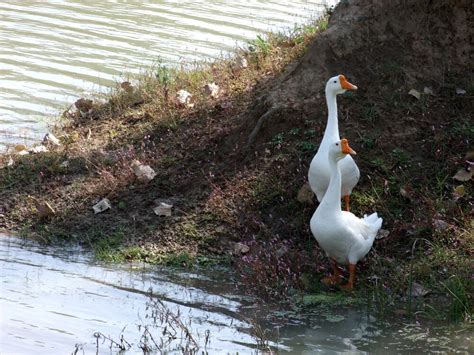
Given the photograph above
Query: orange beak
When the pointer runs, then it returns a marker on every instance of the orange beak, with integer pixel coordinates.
(345, 84)
(345, 147)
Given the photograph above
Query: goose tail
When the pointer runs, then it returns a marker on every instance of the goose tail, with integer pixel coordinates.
(375, 223)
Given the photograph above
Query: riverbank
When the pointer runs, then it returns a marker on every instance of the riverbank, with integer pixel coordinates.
(225, 191)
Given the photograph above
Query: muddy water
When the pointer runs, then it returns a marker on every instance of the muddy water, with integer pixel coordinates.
(52, 52)
(53, 301)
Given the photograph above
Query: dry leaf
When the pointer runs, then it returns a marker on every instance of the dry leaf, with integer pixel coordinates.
(212, 89)
(415, 93)
(383, 233)
(428, 91)
(20, 147)
(241, 249)
(463, 175)
(418, 291)
(459, 191)
(44, 209)
(49, 138)
(39, 149)
(305, 195)
(184, 98)
(127, 86)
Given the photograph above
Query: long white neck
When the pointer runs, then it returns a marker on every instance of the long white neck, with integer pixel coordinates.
(331, 133)
(332, 198)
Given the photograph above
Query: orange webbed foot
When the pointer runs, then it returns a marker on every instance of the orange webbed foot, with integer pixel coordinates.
(350, 283)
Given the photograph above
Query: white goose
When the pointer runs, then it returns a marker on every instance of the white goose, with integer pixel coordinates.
(345, 238)
(318, 175)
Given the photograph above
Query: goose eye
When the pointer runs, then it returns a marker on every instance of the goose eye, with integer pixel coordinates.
(335, 81)
(337, 143)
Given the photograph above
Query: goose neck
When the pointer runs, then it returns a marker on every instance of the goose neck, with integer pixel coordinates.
(332, 127)
(332, 197)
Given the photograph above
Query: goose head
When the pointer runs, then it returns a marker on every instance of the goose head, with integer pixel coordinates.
(338, 85)
(339, 149)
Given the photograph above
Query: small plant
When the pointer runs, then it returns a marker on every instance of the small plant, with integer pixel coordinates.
(278, 139)
(460, 307)
(369, 113)
(306, 146)
(260, 45)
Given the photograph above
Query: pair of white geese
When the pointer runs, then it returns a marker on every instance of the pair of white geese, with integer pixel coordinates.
(345, 238)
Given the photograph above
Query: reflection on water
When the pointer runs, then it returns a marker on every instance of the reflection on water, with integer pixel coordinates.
(52, 299)
(53, 51)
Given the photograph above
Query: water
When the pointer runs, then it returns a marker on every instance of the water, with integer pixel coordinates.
(52, 299)
(52, 52)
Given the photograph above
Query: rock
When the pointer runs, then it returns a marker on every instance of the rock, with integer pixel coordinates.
(10, 161)
(183, 98)
(102, 206)
(44, 209)
(212, 89)
(417, 290)
(49, 138)
(416, 94)
(460, 91)
(64, 164)
(240, 249)
(305, 195)
(163, 209)
(23, 152)
(39, 149)
(144, 173)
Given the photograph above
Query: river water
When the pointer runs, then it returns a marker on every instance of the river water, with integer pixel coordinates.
(54, 51)
(53, 301)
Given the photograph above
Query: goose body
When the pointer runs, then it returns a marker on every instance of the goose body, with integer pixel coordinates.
(319, 171)
(345, 238)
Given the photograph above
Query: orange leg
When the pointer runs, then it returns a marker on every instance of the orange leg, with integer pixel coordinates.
(350, 283)
(335, 277)
(346, 199)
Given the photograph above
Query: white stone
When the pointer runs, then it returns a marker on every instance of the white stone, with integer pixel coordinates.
(144, 173)
(102, 206)
(163, 209)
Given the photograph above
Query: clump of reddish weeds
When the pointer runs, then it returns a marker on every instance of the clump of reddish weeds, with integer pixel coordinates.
(275, 269)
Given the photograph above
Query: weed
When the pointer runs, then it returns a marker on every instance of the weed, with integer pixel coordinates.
(106, 247)
(162, 73)
(369, 113)
(278, 139)
(306, 147)
(460, 308)
(260, 45)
